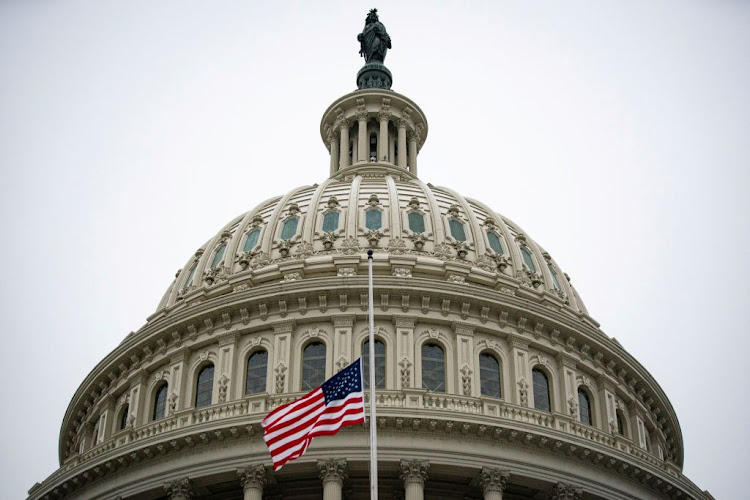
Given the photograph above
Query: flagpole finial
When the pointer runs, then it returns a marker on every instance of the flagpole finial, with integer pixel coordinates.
(369, 254)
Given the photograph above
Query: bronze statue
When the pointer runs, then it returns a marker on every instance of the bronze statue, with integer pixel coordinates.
(374, 40)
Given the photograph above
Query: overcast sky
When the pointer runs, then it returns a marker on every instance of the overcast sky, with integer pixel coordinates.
(614, 133)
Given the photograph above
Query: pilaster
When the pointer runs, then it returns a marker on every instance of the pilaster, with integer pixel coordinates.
(178, 380)
(569, 392)
(404, 351)
(464, 333)
(520, 373)
(137, 399)
(342, 340)
(282, 339)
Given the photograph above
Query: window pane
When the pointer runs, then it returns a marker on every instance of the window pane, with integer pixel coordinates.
(313, 366)
(290, 228)
(489, 375)
(255, 380)
(494, 240)
(251, 240)
(555, 280)
(416, 222)
(205, 387)
(379, 364)
(620, 424)
(218, 255)
(373, 219)
(528, 259)
(433, 368)
(541, 391)
(457, 230)
(330, 222)
(373, 146)
(160, 402)
(584, 407)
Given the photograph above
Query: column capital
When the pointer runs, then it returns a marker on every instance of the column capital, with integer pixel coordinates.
(179, 488)
(414, 471)
(563, 491)
(252, 476)
(333, 470)
(493, 480)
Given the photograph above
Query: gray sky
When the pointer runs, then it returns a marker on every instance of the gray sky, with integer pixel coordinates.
(614, 133)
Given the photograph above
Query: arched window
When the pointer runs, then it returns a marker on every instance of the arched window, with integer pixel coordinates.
(205, 387)
(255, 379)
(528, 259)
(313, 366)
(379, 364)
(251, 240)
(330, 222)
(541, 390)
(124, 417)
(433, 368)
(489, 375)
(620, 422)
(555, 279)
(160, 402)
(494, 240)
(373, 219)
(373, 146)
(289, 229)
(218, 256)
(647, 438)
(189, 279)
(584, 407)
(416, 222)
(457, 230)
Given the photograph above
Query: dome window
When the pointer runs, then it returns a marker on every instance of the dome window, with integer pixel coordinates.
(541, 390)
(205, 387)
(373, 147)
(457, 230)
(218, 256)
(489, 375)
(255, 378)
(189, 279)
(289, 229)
(555, 279)
(160, 402)
(528, 259)
(494, 241)
(373, 219)
(313, 366)
(330, 222)
(433, 368)
(379, 364)
(584, 407)
(416, 222)
(251, 240)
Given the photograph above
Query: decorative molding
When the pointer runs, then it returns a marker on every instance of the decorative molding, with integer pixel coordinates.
(493, 480)
(332, 470)
(414, 471)
(253, 477)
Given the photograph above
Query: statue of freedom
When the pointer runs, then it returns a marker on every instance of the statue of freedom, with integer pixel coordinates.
(374, 40)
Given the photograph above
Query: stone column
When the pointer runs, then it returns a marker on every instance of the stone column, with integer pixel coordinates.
(179, 489)
(404, 352)
(402, 143)
(362, 146)
(344, 149)
(334, 147)
(384, 116)
(414, 474)
(413, 141)
(282, 339)
(493, 482)
(253, 479)
(568, 390)
(332, 473)
(342, 340)
(562, 491)
(520, 373)
(465, 357)
(137, 399)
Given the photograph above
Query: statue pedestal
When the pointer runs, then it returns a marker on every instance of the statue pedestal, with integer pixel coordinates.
(374, 75)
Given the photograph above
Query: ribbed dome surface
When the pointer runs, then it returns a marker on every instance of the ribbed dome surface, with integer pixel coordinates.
(404, 221)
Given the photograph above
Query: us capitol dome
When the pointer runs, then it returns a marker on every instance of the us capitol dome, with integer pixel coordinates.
(493, 381)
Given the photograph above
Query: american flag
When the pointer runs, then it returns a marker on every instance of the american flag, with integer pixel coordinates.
(289, 429)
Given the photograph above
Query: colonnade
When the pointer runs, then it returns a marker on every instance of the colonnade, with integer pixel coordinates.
(333, 473)
(402, 152)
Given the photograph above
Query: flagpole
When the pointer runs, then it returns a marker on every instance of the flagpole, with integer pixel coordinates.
(373, 420)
